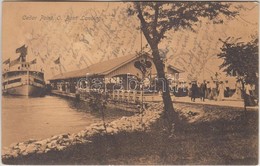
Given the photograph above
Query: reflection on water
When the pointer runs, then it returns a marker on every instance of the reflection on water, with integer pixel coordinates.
(24, 118)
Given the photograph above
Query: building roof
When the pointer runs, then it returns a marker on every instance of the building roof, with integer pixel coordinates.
(175, 69)
(101, 68)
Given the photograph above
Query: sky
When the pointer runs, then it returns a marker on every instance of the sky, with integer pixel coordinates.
(84, 33)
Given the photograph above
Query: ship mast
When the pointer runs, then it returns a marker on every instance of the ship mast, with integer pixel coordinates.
(23, 52)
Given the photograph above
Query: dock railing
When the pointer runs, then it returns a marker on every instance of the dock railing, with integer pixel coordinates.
(124, 96)
(133, 96)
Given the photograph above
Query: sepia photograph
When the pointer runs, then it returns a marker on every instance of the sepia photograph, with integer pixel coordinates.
(130, 83)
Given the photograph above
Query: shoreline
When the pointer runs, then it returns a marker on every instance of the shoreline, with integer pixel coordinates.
(55, 114)
(137, 122)
(209, 135)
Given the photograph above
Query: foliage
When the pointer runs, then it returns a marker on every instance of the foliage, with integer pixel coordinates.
(97, 101)
(159, 17)
(240, 59)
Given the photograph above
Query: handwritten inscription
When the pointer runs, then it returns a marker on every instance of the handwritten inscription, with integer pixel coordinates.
(67, 18)
(82, 38)
(29, 17)
(107, 34)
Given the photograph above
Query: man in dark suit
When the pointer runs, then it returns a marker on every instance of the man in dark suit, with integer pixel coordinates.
(203, 88)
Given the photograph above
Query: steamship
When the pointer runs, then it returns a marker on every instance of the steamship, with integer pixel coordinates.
(20, 79)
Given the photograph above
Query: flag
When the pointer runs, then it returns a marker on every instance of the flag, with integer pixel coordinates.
(57, 61)
(33, 61)
(14, 62)
(23, 51)
(7, 61)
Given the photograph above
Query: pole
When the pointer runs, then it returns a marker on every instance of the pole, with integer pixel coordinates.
(60, 68)
(105, 87)
(142, 89)
(141, 37)
(28, 83)
(142, 92)
(6, 75)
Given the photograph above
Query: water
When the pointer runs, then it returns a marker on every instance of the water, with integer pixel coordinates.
(26, 118)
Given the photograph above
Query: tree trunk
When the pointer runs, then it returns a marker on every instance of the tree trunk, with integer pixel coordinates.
(244, 95)
(170, 114)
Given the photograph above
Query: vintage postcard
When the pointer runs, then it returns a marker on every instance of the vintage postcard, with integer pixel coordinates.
(149, 83)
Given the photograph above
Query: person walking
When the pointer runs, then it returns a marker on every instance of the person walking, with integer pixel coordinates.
(227, 89)
(248, 97)
(203, 89)
(194, 91)
(238, 91)
(208, 92)
(189, 90)
(214, 92)
(221, 91)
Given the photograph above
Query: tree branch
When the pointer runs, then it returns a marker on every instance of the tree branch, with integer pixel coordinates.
(144, 26)
(156, 14)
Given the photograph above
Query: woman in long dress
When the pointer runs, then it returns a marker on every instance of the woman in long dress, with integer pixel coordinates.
(249, 98)
(189, 90)
(238, 92)
(208, 92)
(221, 91)
(214, 91)
(194, 91)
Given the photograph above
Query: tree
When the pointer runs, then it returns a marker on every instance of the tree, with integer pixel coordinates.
(241, 60)
(98, 102)
(159, 17)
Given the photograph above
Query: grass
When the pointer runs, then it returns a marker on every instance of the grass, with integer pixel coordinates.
(216, 136)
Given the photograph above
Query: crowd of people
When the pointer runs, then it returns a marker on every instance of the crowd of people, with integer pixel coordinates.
(218, 90)
(205, 90)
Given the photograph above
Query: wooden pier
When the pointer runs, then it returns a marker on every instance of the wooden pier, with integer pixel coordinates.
(63, 94)
(131, 97)
(122, 104)
(118, 79)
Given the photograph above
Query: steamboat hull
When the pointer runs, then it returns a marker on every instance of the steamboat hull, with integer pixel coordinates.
(23, 83)
(26, 90)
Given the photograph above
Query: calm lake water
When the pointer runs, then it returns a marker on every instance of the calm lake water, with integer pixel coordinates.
(26, 118)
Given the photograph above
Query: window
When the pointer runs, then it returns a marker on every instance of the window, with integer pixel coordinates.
(38, 81)
(14, 81)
